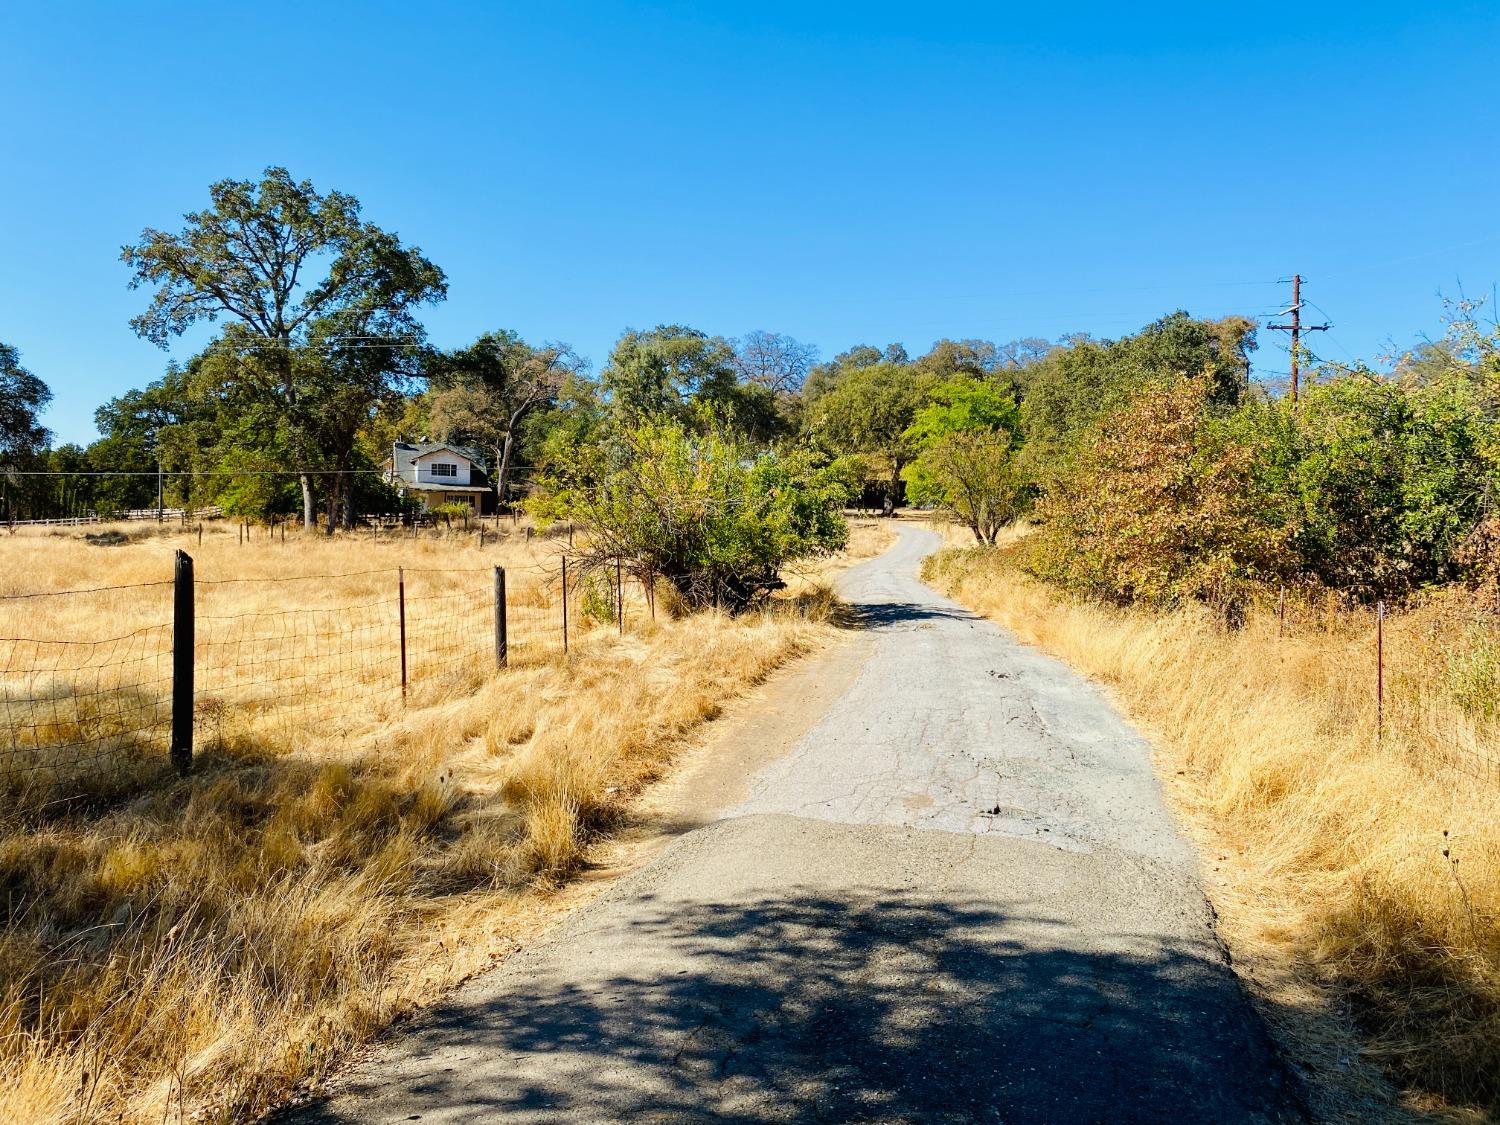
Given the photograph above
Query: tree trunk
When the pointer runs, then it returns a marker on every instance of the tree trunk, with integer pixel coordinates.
(333, 507)
(309, 505)
(889, 507)
(504, 470)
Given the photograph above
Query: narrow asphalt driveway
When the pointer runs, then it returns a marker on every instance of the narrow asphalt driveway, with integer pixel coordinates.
(956, 898)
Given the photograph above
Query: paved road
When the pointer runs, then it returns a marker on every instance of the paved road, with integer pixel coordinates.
(956, 898)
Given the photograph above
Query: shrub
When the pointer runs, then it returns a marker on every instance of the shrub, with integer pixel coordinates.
(706, 512)
(1158, 504)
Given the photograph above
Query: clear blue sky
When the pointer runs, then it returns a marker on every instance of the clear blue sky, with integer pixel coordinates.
(841, 172)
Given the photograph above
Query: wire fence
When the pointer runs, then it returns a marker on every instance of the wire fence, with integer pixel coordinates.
(1426, 676)
(86, 717)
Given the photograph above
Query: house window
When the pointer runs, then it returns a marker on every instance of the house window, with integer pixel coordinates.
(443, 469)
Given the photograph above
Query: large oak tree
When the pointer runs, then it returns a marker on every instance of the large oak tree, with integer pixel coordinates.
(321, 305)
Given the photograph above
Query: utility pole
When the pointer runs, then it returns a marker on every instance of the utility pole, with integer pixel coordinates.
(1296, 328)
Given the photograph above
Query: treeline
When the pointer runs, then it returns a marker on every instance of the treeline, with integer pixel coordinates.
(1153, 467)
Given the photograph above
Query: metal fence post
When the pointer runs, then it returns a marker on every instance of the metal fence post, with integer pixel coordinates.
(401, 603)
(182, 663)
(565, 604)
(1379, 669)
(620, 594)
(1281, 613)
(502, 642)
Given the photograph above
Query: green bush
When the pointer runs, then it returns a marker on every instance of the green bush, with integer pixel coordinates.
(706, 512)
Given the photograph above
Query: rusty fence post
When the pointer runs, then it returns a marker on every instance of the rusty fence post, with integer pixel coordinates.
(565, 603)
(620, 594)
(401, 611)
(502, 641)
(1281, 613)
(182, 663)
(1379, 669)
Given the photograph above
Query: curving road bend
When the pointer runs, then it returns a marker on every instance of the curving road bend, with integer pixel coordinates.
(956, 897)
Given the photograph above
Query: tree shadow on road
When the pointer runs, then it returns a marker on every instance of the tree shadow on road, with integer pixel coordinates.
(859, 1006)
(887, 615)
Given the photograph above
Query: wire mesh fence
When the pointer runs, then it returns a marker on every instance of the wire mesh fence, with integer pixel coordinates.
(84, 716)
(1425, 676)
(74, 712)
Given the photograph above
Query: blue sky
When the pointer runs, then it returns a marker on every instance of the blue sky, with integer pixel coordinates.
(841, 172)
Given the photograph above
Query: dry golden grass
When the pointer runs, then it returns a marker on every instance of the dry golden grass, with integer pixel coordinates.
(1355, 876)
(201, 948)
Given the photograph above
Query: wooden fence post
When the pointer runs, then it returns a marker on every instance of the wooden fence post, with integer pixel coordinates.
(502, 642)
(182, 663)
(401, 610)
(1379, 670)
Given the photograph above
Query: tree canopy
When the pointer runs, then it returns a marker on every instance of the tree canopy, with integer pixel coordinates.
(321, 308)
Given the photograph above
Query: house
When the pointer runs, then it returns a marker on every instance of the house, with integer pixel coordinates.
(436, 473)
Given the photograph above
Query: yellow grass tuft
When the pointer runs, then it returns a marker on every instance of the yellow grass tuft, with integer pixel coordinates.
(1367, 868)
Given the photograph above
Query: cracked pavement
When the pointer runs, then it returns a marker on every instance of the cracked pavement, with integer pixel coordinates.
(954, 896)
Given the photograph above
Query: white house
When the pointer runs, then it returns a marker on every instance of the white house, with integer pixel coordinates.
(438, 474)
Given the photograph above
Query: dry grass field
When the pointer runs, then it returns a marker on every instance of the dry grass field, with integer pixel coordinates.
(1356, 872)
(200, 948)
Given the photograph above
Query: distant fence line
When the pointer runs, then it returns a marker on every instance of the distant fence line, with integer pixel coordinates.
(89, 716)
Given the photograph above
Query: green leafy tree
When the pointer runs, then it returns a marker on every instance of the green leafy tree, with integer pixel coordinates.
(677, 372)
(706, 512)
(1379, 482)
(871, 412)
(974, 475)
(23, 438)
(1087, 379)
(23, 397)
(966, 462)
(308, 288)
(824, 377)
(484, 393)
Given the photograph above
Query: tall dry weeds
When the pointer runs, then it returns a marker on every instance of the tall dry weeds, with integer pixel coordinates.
(201, 948)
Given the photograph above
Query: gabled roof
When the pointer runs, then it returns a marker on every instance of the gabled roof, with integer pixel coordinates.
(405, 453)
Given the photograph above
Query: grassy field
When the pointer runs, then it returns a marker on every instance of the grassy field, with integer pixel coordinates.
(1356, 872)
(199, 949)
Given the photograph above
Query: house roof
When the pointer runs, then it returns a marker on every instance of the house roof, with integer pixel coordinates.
(425, 487)
(405, 453)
